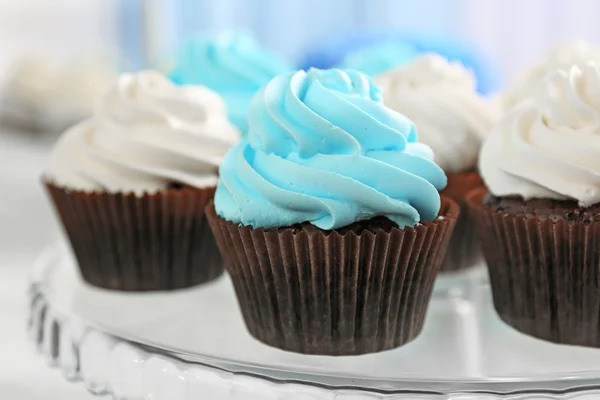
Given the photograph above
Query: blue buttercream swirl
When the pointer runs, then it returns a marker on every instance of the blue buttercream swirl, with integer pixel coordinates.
(322, 148)
(232, 64)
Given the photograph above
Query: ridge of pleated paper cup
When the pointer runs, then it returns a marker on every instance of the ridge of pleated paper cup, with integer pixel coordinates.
(131, 242)
(544, 274)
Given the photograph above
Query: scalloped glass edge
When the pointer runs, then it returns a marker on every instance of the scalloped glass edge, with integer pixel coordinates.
(107, 365)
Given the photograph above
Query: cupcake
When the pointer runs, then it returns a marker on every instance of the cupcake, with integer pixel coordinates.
(563, 56)
(232, 64)
(26, 93)
(452, 119)
(329, 218)
(41, 95)
(130, 184)
(540, 221)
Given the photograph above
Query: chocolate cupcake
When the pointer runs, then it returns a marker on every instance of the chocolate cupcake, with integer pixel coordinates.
(131, 183)
(540, 221)
(441, 98)
(327, 217)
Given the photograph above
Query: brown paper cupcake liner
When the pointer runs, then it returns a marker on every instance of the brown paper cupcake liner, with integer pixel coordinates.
(311, 291)
(464, 250)
(544, 274)
(128, 242)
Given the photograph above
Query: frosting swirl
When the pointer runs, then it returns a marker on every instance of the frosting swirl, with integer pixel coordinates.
(563, 56)
(322, 148)
(232, 64)
(548, 147)
(145, 134)
(440, 98)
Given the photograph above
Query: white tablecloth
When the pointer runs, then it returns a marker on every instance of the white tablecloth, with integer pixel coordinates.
(26, 226)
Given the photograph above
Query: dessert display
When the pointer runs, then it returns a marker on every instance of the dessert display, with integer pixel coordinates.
(241, 227)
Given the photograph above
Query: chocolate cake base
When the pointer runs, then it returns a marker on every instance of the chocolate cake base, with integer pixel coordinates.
(544, 263)
(360, 289)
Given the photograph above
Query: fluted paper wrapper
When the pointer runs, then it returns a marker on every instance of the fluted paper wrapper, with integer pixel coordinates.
(131, 242)
(321, 292)
(464, 250)
(545, 275)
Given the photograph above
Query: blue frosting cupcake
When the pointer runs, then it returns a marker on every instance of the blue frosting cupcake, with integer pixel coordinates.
(326, 213)
(232, 64)
(374, 53)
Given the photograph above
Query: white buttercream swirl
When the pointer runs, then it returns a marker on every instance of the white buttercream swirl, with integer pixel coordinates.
(563, 56)
(146, 133)
(440, 98)
(549, 146)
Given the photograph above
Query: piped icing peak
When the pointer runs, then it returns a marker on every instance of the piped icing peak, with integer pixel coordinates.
(145, 134)
(548, 146)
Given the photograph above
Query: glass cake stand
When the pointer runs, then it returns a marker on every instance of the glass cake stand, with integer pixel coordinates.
(192, 344)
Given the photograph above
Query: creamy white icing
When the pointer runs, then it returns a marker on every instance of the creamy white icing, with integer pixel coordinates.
(549, 146)
(440, 98)
(563, 56)
(145, 134)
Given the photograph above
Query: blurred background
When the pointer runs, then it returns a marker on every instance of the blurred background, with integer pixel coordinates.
(512, 33)
(82, 40)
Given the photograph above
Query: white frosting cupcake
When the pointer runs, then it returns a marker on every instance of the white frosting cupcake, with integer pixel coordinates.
(440, 98)
(145, 134)
(563, 56)
(32, 80)
(52, 96)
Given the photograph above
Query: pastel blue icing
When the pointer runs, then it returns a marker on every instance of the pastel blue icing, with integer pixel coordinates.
(232, 64)
(322, 148)
(331, 52)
